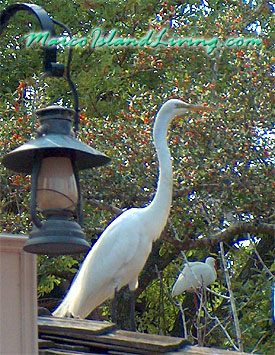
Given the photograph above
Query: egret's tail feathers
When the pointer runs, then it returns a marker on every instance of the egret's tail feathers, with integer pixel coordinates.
(63, 310)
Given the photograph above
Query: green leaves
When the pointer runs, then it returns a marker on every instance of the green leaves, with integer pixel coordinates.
(52, 270)
(47, 284)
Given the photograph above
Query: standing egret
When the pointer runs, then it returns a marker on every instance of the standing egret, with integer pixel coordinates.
(192, 278)
(120, 253)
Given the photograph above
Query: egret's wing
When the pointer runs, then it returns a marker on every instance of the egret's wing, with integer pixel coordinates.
(186, 278)
(117, 245)
(102, 268)
(188, 269)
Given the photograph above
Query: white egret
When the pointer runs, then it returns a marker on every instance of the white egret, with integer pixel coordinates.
(195, 275)
(120, 253)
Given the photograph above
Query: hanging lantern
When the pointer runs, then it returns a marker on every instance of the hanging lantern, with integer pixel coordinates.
(54, 160)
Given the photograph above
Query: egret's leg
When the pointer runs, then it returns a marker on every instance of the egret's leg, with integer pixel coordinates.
(114, 308)
(195, 299)
(132, 310)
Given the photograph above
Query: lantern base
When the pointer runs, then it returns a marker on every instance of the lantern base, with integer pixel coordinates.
(57, 236)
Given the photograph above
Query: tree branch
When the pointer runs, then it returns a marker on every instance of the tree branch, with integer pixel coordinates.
(188, 242)
(259, 258)
(245, 227)
(236, 229)
(104, 206)
(232, 300)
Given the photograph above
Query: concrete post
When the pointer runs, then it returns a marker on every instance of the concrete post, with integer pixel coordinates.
(18, 297)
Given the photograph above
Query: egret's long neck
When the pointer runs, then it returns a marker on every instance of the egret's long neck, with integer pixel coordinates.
(161, 204)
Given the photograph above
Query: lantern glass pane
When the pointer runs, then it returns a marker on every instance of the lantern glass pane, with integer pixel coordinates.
(56, 186)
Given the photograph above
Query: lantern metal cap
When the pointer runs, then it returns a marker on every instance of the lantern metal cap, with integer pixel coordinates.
(55, 140)
(22, 159)
(55, 112)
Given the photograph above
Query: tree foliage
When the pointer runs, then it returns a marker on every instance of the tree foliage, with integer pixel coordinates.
(223, 161)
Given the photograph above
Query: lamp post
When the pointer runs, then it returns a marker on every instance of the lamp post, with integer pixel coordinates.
(50, 66)
(54, 159)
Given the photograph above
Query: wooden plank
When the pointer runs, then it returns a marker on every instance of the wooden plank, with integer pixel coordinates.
(44, 344)
(199, 350)
(74, 347)
(94, 346)
(87, 330)
(60, 352)
(101, 335)
(71, 325)
(120, 350)
(116, 352)
(129, 340)
(151, 342)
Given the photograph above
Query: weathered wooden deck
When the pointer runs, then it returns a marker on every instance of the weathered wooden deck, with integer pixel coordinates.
(65, 336)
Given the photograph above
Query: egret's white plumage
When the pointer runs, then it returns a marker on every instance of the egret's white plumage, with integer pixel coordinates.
(195, 275)
(120, 253)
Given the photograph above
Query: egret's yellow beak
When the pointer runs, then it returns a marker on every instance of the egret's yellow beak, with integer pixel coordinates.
(200, 108)
(191, 107)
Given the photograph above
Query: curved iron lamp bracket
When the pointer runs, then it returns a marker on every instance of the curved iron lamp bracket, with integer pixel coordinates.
(50, 66)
